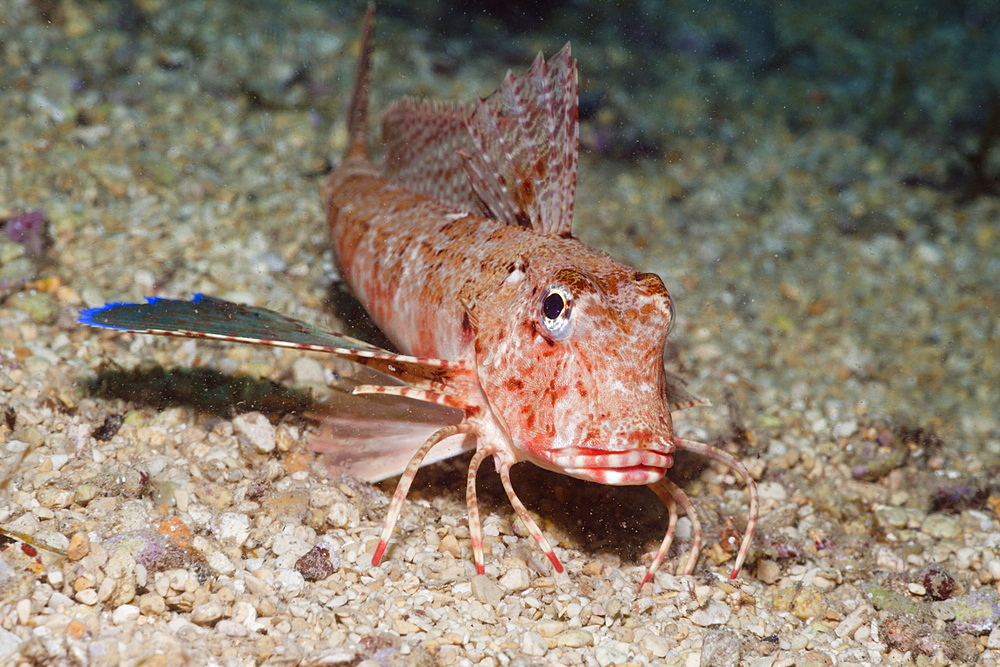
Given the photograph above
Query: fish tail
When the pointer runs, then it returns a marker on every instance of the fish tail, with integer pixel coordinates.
(357, 119)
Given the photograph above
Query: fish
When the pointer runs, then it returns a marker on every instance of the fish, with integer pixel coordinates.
(529, 344)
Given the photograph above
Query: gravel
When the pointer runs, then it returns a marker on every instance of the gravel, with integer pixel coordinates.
(836, 293)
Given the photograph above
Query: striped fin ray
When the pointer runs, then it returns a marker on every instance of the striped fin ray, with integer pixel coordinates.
(217, 319)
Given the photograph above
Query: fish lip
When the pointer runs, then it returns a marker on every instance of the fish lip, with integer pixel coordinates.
(626, 476)
(594, 464)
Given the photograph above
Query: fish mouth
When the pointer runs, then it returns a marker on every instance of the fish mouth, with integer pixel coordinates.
(630, 468)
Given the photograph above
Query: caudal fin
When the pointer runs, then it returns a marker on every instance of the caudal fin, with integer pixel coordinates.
(357, 118)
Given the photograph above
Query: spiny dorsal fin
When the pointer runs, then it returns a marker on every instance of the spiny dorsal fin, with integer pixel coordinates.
(424, 142)
(357, 116)
(526, 142)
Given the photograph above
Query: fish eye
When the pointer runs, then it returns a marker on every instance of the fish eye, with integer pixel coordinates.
(554, 312)
(553, 305)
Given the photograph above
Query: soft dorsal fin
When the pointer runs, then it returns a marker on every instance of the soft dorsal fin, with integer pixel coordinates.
(424, 143)
(526, 140)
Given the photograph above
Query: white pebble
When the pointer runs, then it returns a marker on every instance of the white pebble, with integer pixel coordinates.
(713, 613)
(92, 298)
(652, 644)
(888, 560)
(928, 253)
(182, 498)
(232, 528)
(854, 620)
(515, 580)
(772, 491)
(57, 600)
(16, 446)
(306, 371)
(245, 613)
(845, 429)
(486, 590)
(59, 460)
(549, 627)
(10, 644)
(941, 526)
(534, 644)
(290, 580)
(284, 543)
(231, 628)
(161, 584)
(478, 611)
(219, 563)
(574, 639)
(342, 515)
(684, 529)
(207, 613)
(605, 655)
(255, 431)
(964, 556)
(87, 596)
(125, 613)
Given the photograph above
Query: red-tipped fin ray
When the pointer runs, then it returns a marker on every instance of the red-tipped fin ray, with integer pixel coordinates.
(217, 319)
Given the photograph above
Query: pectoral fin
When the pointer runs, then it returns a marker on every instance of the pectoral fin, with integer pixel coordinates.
(374, 437)
(217, 319)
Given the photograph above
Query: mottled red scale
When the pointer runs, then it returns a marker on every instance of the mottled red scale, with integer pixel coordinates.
(515, 384)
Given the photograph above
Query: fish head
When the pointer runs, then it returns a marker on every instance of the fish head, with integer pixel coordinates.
(570, 359)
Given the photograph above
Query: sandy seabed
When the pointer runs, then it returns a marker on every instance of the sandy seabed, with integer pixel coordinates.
(836, 286)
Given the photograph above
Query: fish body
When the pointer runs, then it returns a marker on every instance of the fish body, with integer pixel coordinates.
(538, 347)
(462, 249)
(450, 284)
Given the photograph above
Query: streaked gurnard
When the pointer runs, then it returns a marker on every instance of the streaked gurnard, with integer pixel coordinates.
(538, 347)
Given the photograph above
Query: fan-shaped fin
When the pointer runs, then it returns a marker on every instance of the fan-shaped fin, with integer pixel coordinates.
(373, 438)
(217, 319)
